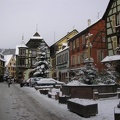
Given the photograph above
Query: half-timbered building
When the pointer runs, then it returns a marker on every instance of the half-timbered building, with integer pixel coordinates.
(112, 18)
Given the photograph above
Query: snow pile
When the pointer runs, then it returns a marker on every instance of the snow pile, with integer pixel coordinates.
(75, 83)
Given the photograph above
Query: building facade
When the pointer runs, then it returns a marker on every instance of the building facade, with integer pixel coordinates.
(21, 61)
(26, 56)
(2, 67)
(10, 65)
(79, 49)
(112, 18)
(62, 63)
(55, 48)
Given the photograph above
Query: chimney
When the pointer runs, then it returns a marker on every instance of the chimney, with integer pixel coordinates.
(89, 22)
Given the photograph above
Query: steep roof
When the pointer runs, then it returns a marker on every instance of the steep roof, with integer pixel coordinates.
(66, 36)
(7, 59)
(85, 30)
(107, 9)
(36, 36)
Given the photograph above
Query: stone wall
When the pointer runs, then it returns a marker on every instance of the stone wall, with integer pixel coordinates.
(87, 91)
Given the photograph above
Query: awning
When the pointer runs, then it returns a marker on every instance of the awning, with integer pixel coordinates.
(111, 58)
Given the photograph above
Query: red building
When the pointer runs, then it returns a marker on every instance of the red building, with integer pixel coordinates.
(79, 46)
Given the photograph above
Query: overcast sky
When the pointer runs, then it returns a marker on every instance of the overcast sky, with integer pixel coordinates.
(54, 18)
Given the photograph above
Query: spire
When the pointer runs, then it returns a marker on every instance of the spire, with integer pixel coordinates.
(36, 27)
(23, 37)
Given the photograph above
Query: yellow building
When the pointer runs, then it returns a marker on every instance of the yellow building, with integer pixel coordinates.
(10, 65)
(56, 47)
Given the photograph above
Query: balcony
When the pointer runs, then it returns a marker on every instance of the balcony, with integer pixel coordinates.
(22, 66)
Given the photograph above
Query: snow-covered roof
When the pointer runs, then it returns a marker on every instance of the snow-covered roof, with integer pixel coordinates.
(22, 44)
(7, 59)
(111, 58)
(36, 37)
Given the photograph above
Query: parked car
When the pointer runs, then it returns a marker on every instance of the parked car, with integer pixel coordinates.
(48, 81)
(33, 80)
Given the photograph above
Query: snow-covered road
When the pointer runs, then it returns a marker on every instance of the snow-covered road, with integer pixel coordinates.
(24, 103)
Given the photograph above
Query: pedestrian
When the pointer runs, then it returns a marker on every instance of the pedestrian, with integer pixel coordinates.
(21, 82)
(9, 82)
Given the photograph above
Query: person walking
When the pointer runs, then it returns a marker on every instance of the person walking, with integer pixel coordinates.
(9, 82)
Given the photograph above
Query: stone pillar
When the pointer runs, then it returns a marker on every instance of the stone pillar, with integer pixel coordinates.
(95, 94)
(118, 92)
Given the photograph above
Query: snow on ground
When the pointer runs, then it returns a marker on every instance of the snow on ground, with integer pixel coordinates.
(105, 106)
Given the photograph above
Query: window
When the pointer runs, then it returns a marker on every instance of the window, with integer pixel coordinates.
(114, 42)
(78, 59)
(22, 62)
(100, 55)
(74, 44)
(63, 58)
(22, 51)
(71, 46)
(60, 59)
(34, 53)
(118, 19)
(73, 60)
(77, 42)
(66, 57)
(81, 58)
(83, 39)
(33, 61)
(113, 21)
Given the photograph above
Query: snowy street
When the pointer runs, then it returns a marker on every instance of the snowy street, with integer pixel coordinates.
(26, 103)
